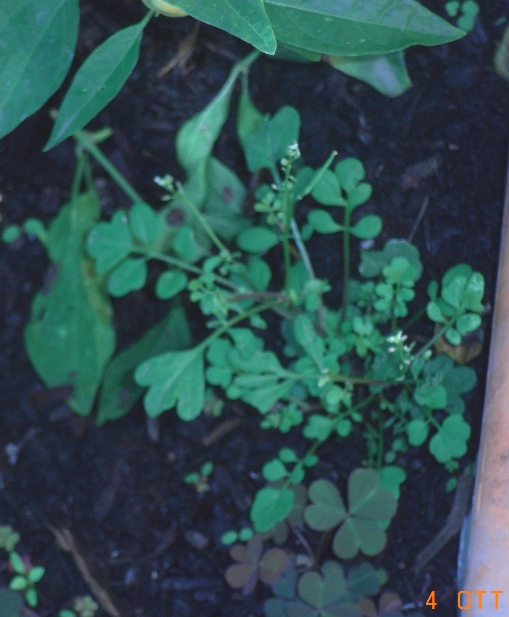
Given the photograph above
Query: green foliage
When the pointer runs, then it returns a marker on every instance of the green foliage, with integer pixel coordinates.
(37, 47)
(199, 479)
(254, 564)
(8, 538)
(83, 606)
(363, 40)
(368, 504)
(327, 373)
(25, 578)
(69, 337)
(99, 79)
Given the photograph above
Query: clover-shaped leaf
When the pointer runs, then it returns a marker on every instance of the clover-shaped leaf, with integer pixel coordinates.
(451, 440)
(322, 595)
(388, 606)
(253, 566)
(327, 509)
(364, 580)
(370, 505)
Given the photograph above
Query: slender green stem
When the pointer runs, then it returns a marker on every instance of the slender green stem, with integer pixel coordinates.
(235, 320)
(301, 247)
(78, 177)
(316, 179)
(204, 223)
(380, 453)
(439, 334)
(288, 217)
(87, 144)
(316, 444)
(346, 258)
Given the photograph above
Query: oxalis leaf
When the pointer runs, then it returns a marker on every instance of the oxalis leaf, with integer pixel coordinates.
(245, 19)
(323, 595)
(70, 337)
(354, 28)
(37, 44)
(175, 378)
(368, 505)
(98, 81)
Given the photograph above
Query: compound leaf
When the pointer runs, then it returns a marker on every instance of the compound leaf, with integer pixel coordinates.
(327, 509)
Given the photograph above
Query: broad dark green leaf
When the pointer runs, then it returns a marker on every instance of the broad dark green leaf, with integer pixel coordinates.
(119, 392)
(245, 19)
(37, 41)
(386, 73)
(98, 81)
(355, 27)
(70, 337)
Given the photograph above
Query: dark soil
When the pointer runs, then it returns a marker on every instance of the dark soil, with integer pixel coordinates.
(122, 496)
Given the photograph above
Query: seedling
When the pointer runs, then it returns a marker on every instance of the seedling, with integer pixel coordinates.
(200, 480)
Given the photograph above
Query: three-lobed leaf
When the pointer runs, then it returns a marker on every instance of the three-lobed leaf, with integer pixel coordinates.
(175, 379)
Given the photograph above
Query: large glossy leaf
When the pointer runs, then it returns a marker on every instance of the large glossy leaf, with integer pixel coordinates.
(119, 392)
(387, 73)
(245, 19)
(98, 81)
(356, 27)
(37, 41)
(69, 338)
